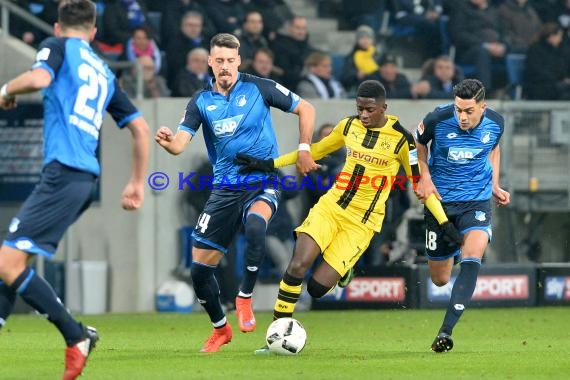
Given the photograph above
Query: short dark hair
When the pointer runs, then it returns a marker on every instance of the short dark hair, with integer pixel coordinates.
(470, 89)
(76, 13)
(371, 89)
(225, 40)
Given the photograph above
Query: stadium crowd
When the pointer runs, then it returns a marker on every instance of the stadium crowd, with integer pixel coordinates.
(507, 44)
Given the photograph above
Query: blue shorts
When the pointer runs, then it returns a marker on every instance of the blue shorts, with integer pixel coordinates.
(465, 216)
(60, 197)
(224, 214)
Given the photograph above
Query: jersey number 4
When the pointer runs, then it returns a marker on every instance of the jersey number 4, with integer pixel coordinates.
(92, 95)
(203, 221)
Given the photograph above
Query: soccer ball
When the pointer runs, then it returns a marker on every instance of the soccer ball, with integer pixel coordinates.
(286, 336)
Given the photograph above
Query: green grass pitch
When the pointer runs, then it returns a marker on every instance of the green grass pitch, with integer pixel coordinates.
(513, 343)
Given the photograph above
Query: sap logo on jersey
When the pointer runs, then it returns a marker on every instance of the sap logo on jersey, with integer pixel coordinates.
(226, 127)
(462, 155)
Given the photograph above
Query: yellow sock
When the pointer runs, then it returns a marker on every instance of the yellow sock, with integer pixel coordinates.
(286, 299)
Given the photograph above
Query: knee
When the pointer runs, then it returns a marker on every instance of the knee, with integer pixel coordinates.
(12, 263)
(440, 280)
(297, 268)
(255, 227)
(316, 289)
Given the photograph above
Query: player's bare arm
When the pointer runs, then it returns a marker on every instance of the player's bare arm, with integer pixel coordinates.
(307, 115)
(172, 143)
(425, 187)
(133, 194)
(502, 196)
(29, 81)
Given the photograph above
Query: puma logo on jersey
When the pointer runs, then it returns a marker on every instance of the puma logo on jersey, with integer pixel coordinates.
(226, 127)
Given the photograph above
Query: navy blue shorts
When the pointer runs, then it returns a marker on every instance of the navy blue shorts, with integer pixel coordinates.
(60, 197)
(466, 216)
(224, 214)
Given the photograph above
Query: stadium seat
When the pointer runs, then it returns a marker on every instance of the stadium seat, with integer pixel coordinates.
(154, 19)
(515, 68)
(337, 64)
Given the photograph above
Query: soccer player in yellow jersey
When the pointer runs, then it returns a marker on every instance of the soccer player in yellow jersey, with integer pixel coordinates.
(342, 223)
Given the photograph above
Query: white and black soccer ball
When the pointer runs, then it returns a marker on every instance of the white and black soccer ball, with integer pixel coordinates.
(286, 336)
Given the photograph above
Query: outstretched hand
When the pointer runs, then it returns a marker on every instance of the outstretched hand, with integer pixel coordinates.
(250, 164)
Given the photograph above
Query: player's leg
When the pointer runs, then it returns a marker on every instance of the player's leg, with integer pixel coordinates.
(255, 226)
(207, 290)
(215, 229)
(441, 256)
(305, 252)
(37, 229)
(472, 252)
(340, 256)
(473, 219)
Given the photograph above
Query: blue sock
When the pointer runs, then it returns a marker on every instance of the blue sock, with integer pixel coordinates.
(207, 290)
(255, 227)
(7, 299)
(462, 292)
(40, 295)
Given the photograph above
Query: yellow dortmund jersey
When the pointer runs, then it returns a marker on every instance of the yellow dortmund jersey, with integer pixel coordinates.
(373, 159)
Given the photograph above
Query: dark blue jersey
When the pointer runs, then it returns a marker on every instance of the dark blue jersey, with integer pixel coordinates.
(239, 122)
(82, 88)
(458, 160)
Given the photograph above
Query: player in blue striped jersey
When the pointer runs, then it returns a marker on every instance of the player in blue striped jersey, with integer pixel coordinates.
(234, 111)
(463, 171)
(78, 88)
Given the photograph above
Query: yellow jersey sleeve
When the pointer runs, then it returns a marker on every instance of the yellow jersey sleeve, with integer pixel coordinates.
(320, 149)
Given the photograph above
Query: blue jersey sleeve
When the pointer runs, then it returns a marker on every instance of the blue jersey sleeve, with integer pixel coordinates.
(499, 120)
(425, 130)
(274, 94)
(192, 117)
(121, 108)
(50, 55)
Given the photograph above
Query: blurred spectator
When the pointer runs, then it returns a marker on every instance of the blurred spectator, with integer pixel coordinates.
(424, 17)
(546, 69)
(154, 86)
(441, 75)
(476, 34)
(554, 11)
(190, 36)
(323, 178)
(251, 37)
(362, 60)
(195, 76)
(364, 12)
(120, 18)
(318, 82)
(262, 66)
(291, 49)
(227, 15)
(173, 11)
(397, 84)
(142, 44)
(521, 24)
(46, 10)
(274, 12)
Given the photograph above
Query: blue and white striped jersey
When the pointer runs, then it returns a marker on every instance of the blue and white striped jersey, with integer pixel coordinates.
(458, 160)
(82, 88)
(238, 123)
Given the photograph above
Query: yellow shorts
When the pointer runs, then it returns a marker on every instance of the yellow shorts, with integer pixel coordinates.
(341, 237)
